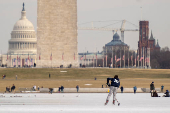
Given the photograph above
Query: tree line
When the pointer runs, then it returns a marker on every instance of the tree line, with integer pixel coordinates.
(160, 59)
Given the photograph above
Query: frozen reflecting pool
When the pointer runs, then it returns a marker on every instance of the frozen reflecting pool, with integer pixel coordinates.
(82, 103)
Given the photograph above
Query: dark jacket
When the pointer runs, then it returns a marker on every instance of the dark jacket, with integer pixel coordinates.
(121, 88)
(13, 87)
(155, 94)
(167, 94)
(152, 86)
(62, 88)
(114, 82)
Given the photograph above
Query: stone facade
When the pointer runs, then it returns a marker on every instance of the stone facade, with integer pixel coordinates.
(57, 33)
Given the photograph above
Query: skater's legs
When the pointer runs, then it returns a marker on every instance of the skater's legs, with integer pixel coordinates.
(114, 93)
(110, 92)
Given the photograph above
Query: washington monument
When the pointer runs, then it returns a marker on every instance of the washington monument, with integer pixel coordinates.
(57, 33)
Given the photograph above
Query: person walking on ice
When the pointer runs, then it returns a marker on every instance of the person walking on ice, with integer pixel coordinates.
(115, 83)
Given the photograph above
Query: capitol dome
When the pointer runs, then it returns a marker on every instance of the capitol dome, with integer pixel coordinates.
(23, 24)
(23, 37)
(116, 36)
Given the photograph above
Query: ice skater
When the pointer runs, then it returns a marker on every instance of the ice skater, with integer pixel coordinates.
(115, 83)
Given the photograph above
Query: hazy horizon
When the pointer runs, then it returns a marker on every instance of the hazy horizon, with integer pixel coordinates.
(155, 11)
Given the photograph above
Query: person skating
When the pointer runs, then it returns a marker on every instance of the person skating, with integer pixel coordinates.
(152, 88)
(115, 83)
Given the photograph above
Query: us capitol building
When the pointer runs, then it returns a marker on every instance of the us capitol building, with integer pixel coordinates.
(22, 48)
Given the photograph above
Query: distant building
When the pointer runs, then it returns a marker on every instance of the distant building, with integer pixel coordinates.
(152, 44)
(22, 45)
(115, 44)
(146, 44)
(113, 47)
(144, 41)
(90, 59)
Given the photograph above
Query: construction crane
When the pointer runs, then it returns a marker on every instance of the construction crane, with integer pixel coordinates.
(122, 29)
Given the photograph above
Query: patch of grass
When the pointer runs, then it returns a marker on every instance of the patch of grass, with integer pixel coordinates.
(75, 76)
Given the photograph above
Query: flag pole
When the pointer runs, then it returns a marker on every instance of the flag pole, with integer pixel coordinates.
(149, 57)
(120, 56)
(10, 60)
(143, 57)
(132, 58)
(96, 57)
(135, 58)
(115, 57)
(93, 60)
(106, 56)
(138, 57)
(112, 56)
(128, 57)
(85, 56)
(17, 60)
(124, 56)
(103, 55)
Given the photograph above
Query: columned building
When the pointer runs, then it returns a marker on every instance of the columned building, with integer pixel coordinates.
(89, 59)
(23, 43)
(114, 47)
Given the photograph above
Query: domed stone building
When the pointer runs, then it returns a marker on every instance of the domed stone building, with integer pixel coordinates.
(114, 47)
(23, 43)
(116, 43)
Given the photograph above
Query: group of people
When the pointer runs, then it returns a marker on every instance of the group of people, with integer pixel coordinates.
(34, 88)
(154, 92)
(61, 89)
(10, 89)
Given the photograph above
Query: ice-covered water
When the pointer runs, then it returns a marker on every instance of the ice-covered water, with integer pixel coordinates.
(82, 103)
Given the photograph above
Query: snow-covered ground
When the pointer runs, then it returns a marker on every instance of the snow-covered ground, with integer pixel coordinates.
(83, 103)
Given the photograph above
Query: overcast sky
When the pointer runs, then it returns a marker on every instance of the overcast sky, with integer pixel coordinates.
(155, 11)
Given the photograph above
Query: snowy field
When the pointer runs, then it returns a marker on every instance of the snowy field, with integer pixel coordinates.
(82, 103)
